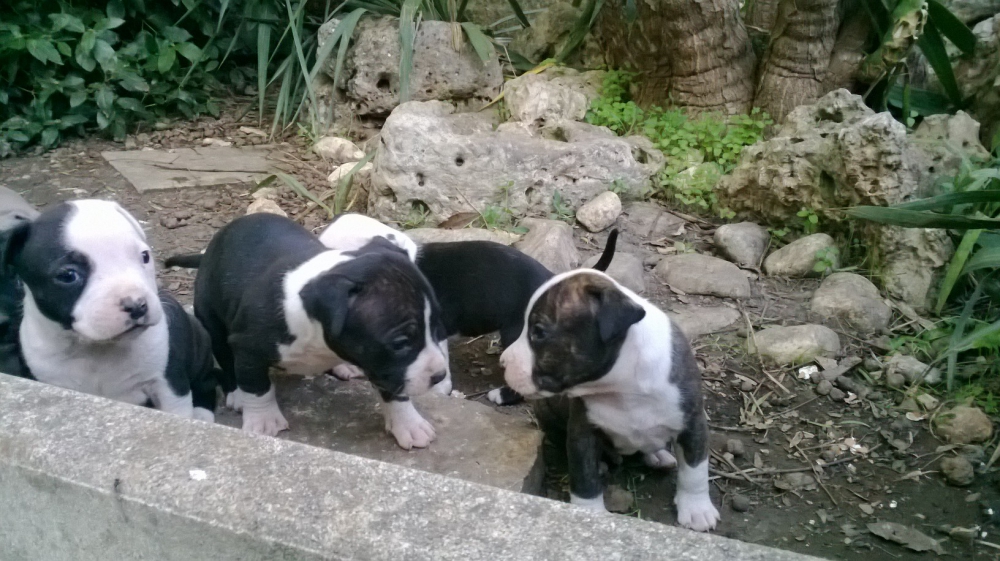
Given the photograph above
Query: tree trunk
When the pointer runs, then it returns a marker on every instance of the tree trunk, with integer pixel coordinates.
(848, 51)
(692, 53)
(761, 14)
(798, 56)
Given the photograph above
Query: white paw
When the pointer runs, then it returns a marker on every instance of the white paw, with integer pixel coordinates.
(443, 387)
(495, 396)
(234, 400)
(406, 425)
(261, 414)
(202, 414)
(595, 504)
(661, 459)
(696, 512)
(347, 371)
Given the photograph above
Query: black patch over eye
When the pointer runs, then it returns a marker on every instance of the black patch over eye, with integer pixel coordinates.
(67, 276)
(537, 332)
(145, 256)
(401, 344)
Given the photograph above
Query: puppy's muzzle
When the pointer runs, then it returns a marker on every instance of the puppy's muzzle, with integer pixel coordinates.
(136, 308)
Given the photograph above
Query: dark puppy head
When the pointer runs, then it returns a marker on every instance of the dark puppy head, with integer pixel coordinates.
(378, 312)
(86, 266)
(574, 329)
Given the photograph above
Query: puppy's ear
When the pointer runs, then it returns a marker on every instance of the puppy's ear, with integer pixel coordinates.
(327, 298)
(616, 312)
(11, 243)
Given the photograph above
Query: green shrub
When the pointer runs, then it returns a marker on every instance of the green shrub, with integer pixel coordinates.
(699, 150)
(69, 66)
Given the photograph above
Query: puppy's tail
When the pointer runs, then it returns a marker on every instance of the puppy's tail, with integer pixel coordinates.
(609, 252)
(189, 261)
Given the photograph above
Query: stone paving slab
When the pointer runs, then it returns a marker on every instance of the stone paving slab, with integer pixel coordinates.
(87, 479)
(178, 168)
(474, 441)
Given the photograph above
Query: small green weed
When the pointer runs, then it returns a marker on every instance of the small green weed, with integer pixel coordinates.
(699, 150)
(561, 209)
(827, 259)
(500, 216)
(810, 220)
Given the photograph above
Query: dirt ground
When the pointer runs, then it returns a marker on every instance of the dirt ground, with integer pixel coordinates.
(782, 426)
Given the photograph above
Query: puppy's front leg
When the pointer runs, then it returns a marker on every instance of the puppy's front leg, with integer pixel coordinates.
(255, 395)
(404, 423)
(444, 386)
(166, 400)
(694, 505)
(583, 450)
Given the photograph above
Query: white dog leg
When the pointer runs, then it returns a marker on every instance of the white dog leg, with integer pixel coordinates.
(261, 414)
(406, 425)
(694, 506)
(167, 401)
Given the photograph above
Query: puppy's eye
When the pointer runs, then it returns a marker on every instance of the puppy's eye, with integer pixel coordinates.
(67, 276)
(145, 256)
(400, 344)
(538, 332)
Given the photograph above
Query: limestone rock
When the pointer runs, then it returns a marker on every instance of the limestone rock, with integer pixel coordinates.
(474, 442)
(970, 11)
(744, 243)
(832, 154)
(941, 142)
(912, 369)
(549, 31)
(371, 70)
(694, 273)
(650, 221)
(853, 300)
(957, 471)
(797, 344)
(265, 205)
(911, 260)
(964, 425)
(799, 258)
(601, 212)
(460, 160)
(337, 150)
(626, 269)
(695, 321)
(435, 235)
(555, 94)
(550, 242)
(362, 177)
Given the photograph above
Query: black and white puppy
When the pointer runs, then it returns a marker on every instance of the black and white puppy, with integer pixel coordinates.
(14, 211)
(93, 318)
(631, 382)
(270, 294)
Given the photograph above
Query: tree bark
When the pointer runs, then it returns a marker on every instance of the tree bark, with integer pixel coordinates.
(848, 51)
(691, 53)
(798, 55)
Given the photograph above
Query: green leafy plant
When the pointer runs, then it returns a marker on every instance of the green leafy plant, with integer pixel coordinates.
(809, 220)
(69, 66)
(699, 150)
(500, 216)
(561, 210)
(826, 260)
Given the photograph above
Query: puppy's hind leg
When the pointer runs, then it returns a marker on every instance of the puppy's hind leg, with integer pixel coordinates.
(694, 505)
(255, 393)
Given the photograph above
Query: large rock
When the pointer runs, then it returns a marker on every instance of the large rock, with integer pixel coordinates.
(743, 243)
(694, 273)
(853, 300)
(650, 220)
(370, 78)
(600, 212)
(964, 425)
(970, 11)
(912, 259)
(435, 235)
(551, 30)
(474, 442)
(550, 242)
(433, 159)
(626, 269)
(940, 143)
(799, 258)
(832, 154)
(796, 344)
(556, 94)
(695, 321)
(337, 150)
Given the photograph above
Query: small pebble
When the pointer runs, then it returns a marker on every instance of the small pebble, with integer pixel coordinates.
(871, 364)
(735, 447)
(837, 394)
(825, 387)
(741, 503)
(727, 456)
(895, 380)
(957, 471)
(747, 386)
(829, 455)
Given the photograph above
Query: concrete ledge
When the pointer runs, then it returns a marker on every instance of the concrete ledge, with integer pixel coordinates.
(82, 478)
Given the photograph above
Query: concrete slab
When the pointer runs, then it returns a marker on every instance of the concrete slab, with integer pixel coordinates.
(87, 479)
(474, 441)
(177, 168)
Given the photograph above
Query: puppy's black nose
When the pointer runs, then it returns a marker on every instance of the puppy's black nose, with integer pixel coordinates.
(436, 379)
(135, 308)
